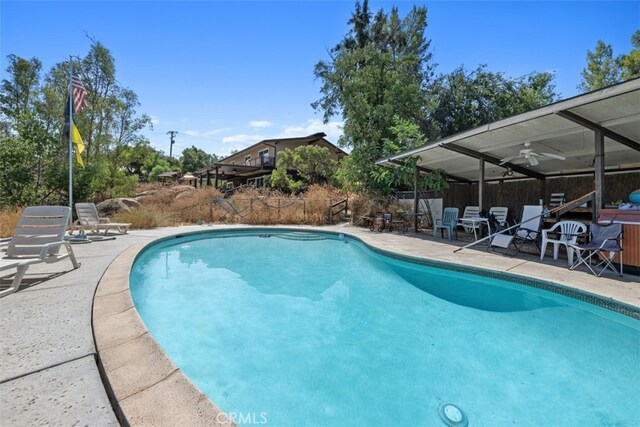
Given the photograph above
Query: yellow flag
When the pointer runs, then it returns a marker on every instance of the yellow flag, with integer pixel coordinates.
(77, 141)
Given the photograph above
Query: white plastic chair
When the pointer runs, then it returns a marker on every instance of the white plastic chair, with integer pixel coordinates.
(470, 212)
(88, 218)
(38, 237)
(569, 231)
(501, 215)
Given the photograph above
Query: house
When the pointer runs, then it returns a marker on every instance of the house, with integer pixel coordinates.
(255, 163)
(168, 177)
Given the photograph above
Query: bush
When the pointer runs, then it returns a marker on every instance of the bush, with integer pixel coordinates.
(9, 218)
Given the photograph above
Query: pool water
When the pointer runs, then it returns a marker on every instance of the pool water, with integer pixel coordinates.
(314, 329)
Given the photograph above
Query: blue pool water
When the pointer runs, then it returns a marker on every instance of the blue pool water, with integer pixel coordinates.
(314, 329)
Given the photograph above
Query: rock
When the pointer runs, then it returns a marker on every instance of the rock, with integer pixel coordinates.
(111, 206)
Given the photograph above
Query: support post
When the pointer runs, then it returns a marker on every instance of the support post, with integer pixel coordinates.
(416, 179)
(481, 186)
(208, 178)
(598, 169)
(215, 178)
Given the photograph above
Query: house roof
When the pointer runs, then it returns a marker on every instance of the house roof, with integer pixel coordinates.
(563, 128)
(167, 174)
(303, 139)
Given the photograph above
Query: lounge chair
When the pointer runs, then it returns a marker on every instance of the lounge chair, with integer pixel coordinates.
(470, 212)
(448, 222)
(38, 238)
(527, 232)
(556, 199)
(568, 235)
(500, 214)
(88, 219)
(605, 243)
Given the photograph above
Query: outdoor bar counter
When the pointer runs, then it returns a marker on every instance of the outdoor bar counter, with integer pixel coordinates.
(630, 235)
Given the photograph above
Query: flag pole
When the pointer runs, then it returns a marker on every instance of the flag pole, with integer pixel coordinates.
(70, 136)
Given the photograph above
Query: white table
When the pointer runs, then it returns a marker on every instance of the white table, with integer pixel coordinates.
(474, 223)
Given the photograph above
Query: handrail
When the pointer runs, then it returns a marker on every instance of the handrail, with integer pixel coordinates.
(342, 209)
(562, 209)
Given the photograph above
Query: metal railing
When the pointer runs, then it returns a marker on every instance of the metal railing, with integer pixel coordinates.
(262, 161)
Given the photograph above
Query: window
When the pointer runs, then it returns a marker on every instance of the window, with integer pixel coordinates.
(247, 160)
(264, 158)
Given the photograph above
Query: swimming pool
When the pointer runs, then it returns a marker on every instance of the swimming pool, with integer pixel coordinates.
(315, 328)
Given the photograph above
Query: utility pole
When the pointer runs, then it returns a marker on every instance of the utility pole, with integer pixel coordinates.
(173, 134)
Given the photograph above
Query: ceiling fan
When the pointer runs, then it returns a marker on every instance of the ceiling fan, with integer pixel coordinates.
(528, 153)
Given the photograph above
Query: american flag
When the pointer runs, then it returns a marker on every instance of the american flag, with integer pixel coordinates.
(79, 94)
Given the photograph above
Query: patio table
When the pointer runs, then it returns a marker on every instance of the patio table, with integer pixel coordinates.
(473, 223)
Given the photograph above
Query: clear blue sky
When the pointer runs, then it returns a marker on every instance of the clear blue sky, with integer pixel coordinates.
(228, 74)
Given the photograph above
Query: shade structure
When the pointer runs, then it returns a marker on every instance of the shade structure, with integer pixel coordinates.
(566, 128)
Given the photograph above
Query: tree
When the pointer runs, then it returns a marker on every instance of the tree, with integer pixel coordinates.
(32, 121)
(463, 100)
(161, 166)
(194, 158)
(602, 68)
(18, 94)
(630, 62)
(302, 166)
(378, 71)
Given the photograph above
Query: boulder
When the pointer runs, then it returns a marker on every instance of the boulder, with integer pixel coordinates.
(120, 204)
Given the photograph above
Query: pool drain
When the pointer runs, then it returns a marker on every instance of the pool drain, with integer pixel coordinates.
(452, 415)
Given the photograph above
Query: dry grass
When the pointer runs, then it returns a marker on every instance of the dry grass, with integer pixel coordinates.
(9, 218)
(145, 217)
(257, 206)
(364, 205)
(264, 207)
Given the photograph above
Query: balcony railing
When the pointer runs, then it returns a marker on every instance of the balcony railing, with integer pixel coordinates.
(263, 162)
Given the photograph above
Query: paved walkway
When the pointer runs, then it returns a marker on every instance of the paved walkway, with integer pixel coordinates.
(48, 371)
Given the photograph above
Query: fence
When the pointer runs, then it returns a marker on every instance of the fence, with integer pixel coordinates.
(277, 210)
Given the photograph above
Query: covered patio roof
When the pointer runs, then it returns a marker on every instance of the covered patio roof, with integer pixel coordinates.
(567, 128)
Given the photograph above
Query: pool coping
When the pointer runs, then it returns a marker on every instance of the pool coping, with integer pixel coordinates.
(144, 384)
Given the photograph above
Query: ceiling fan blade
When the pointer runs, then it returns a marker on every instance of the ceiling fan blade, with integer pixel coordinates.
(508, 159)
(554, 156)
(533, 161)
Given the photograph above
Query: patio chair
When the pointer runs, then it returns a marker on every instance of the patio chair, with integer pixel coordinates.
(38, 237)
(556, 199)
(568, 232)
(88, 219)
(448, 222)
(470, 212)
(527, 232)
(500, 214)
(605, 243)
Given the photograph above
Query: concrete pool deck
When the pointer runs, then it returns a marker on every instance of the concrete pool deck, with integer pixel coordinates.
(49, 371)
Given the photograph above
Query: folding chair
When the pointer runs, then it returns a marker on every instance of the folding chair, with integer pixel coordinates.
(605, 243)
(527, 232)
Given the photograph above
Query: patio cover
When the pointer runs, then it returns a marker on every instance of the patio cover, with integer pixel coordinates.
(571, 128)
